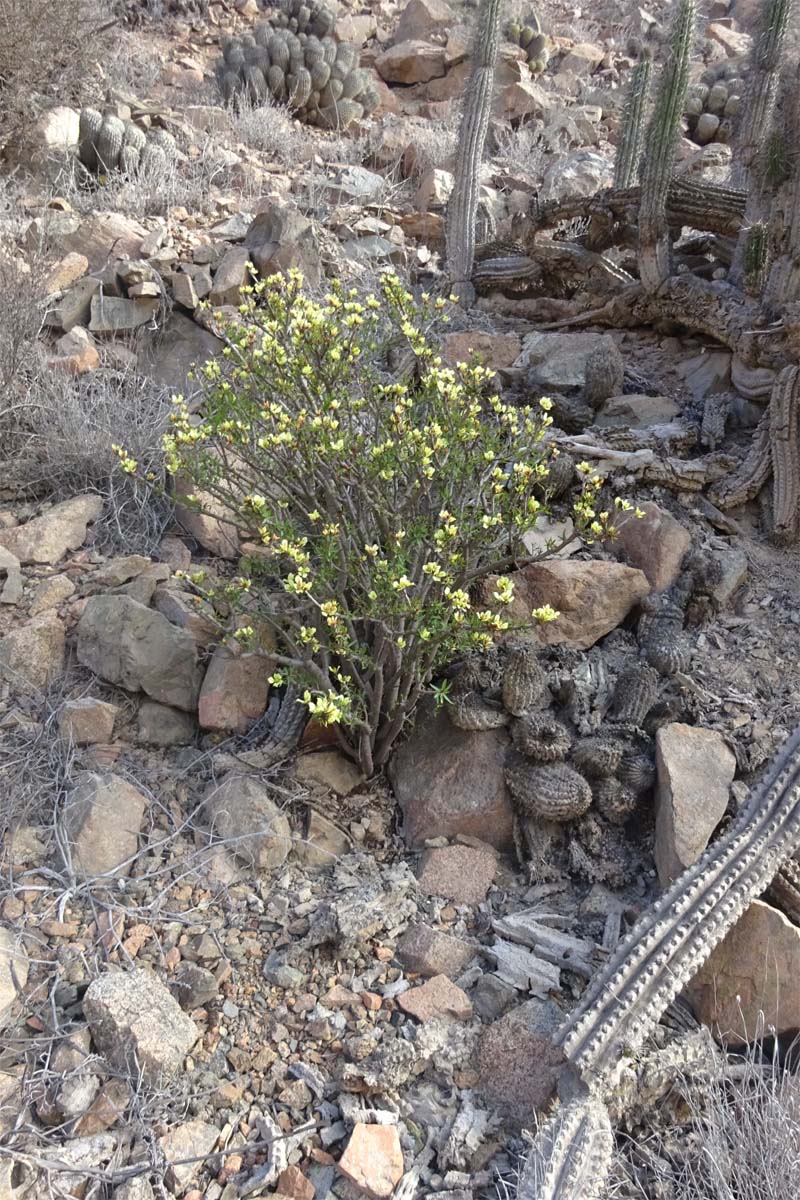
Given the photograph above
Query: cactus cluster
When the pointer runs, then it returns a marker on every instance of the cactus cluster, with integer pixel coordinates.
(134, 12)
(713, 104)
(106, 143)
(528, 34)
(295, 60)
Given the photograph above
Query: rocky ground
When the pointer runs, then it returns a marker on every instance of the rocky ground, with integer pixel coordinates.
(224, 979)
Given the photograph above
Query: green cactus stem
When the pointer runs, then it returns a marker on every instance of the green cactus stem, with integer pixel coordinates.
(629, 149)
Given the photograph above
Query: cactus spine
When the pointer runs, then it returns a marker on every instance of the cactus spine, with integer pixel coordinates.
(463, 206)
(655, 249)
(783, 284)
(629, 149)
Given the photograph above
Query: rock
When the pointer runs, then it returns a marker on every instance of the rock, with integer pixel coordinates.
(11, 1102)
(434, 190)
(168, 355)
(493, 350)
(51, 593)
(695, 770)
(439, 997)
(160, 725)
(106, 1110)
(356, 28)
(323, 844)
(242, 810)
(232, 274)
(138, 1188)
(210, 528)
(520, 100)
(193, 986)
(734, 568)
(636, 412)
(373, 1159)
(105, 237)
(734, 43)
(492, 997)
(557, 361)
(101, 823)
(198, 619)
(354, 185)
(420, 18)
(11, 591)
(13, 973)
(33, 654)
(280, 238)
(77, 353)
(411, 61)
(47, 538)
(130, 645)
(582, 59)
(194, 1139)
(706, 373)
(591, 597)
(517, 1061)
(75, 307)
(46, 145)
(67, 270)
(234, 692)
(449, 782)
(293, 1184)
(427, 951)
(581, 173)
(460, 873)
(116, 314)
(751, 977)
(87, 721)
(137, 1025)
(655, 543)
(331, 770)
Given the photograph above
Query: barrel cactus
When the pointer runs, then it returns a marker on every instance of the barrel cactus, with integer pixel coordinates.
(106, 144)
(292, 58)
(528, 34)
(714, 102)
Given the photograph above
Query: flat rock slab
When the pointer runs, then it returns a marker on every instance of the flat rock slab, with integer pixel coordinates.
(194, 1139)
(558, 360)
(137, 1024)
(460, 873)
(754, 970)
(33, 654)
(241, 811)
(448, 782)
(47, 538)
(101, 822)
(517, 1061)
(373, 1159)
(695, 770)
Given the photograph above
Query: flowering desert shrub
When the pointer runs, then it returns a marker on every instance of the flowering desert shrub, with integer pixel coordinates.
(376, 500)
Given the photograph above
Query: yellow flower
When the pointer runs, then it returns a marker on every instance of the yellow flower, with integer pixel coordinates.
(545, 613)
(504, 590)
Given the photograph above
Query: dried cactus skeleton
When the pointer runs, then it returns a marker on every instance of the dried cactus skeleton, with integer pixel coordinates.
(755, 311)
(292, 58)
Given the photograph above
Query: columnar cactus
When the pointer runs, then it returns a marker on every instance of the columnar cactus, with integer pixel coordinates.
(631, 139)
(655, 248)
(463, 205)
(759, 104)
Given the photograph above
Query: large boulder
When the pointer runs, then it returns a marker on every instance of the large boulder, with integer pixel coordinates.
(695, 771)
(47, 538)
(755, 970)
(449, 782)
(169, 354)
(557, 361)
(140, 650)
(137, 1024)
(412, 61)
(280, 238)
(100, 825)
(592, 598)
(234, 692)
(241, 811)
